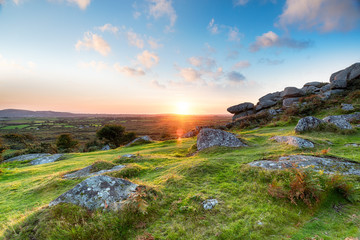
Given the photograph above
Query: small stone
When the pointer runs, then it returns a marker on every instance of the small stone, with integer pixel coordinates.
(210, 204)
(294, 141)
(347, 107)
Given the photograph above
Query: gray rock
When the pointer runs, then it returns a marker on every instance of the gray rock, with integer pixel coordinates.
(327, 165)
(213, 137)
(98, 192)
(128, 156)
(314, 84)
(325, 88)
(294, 141)
(46, 159)
(139, 139)
(347, 107)
(191, 133)
(210, 204)
(307, 123)
(241, 108)
(105, 148)
(352, 145)
(338, 84)
(352, 118)
(292, 92)
(271, 96)
(339, 121)
(346, 74)
(28, 157)
(242, 114)
(86, 172)
(265, 104)
(288, 102)
(310, 89)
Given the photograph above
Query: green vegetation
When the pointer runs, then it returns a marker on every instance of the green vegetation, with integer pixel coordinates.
(253, 203)
(65, 143)
(115, 135)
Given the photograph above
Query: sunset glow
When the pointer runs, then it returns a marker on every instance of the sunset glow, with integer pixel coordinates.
(183, 108)
(135, 57)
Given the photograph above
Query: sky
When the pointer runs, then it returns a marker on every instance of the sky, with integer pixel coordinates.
(168, 56)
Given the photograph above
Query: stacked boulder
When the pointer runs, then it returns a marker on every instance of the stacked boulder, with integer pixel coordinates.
(274, 103)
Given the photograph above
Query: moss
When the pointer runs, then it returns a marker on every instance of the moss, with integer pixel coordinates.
(101, 165)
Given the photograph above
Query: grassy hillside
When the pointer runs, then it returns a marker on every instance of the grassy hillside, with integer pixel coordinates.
(180, 181)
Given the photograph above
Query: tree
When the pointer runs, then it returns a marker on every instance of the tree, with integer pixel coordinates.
(115, 135)
(65, 143)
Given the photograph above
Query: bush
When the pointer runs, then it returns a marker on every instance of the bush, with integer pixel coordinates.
(115, 135)
(92, 145)
(41, 148)
(255, 120)
(65, 143)
(131, 170)
(18, 141)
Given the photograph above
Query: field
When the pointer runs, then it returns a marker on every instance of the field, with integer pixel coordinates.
(158, 127)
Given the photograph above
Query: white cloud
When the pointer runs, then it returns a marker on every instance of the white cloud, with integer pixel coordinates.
(132, 72)
(271, 62)
(82, 4)
(148, 59)
(202, 62)
(241, 65)
(240, 2)
(154, 44)
(136, 14)
(160, 8)
(234, 34)
(12, 65)
(98, 66)
(271, 39)
(323, 15)
(135, 40)
(156, 84)
(232, 54)
(108, 28)
(212, 27)
(95, 42)
(190, 74)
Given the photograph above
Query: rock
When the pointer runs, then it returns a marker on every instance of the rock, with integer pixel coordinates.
(294, 141)
(271, 96)
(347, 107)
(242, 114)
(352, 118)
(105, 148)
(28, 157)
(213, 137)
(352, 145)
(310, 89)
(191, 133)
(307, 123)
(142, 139)
(241, 107)
(346, 74)
(338, 84)
(314, 84)
(338, 121)
(292, 92)
(288, 102)
(325, 88)
(265, 104)
(46, 159)
(86, 172)
(210, 204)
(128, 156)
(98, 192)
(327, 165)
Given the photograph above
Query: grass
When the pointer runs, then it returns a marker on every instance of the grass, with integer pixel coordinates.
(245, 209)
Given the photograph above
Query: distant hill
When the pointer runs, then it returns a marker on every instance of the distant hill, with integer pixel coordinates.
(18, 113)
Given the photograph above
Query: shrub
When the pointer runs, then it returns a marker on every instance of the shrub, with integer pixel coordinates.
(18, 141)
(10, 154)
(115, 135)
(92, 145)
(101, 165)
(66, 143)
(304, 186)
(348, 190)
(252, 121)
(131, 170)
(41, 148)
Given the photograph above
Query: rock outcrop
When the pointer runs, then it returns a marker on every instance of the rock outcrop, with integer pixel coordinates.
(339, 121)
(98, 192)
(214, 137)
(327, 165)
(139, 140)
(307, 124)
(37, 158)
(86, 172)
(340, 82)
(294, 141)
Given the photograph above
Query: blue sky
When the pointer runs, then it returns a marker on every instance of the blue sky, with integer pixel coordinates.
(149, 56)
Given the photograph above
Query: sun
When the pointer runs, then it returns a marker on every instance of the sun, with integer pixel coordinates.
(182, 108)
